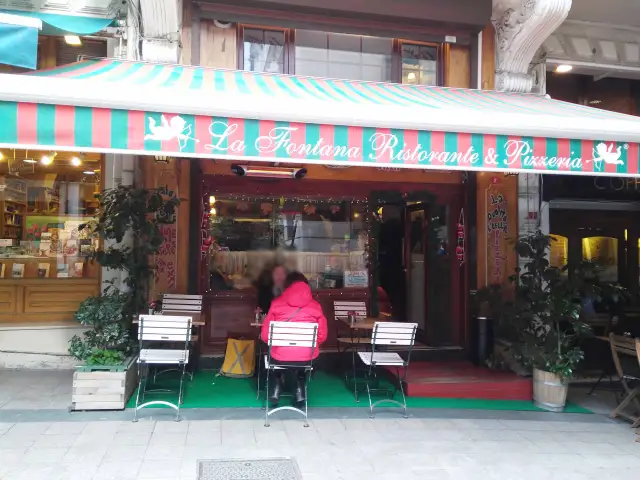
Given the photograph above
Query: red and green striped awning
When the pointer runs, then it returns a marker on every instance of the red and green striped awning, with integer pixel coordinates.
(150, 109)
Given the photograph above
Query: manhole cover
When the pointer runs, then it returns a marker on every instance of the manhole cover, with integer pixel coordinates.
(259, 469)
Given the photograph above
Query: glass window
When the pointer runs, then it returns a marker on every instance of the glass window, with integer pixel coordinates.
(559, 251)
(320, 238)
(264, 50)
(337, 55)
(44, 198)
(419, 64)
(604, 252)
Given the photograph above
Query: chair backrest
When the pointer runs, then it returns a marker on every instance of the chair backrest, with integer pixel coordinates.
(341, 309)
(164, 328)
(394, 334)
(181, 303)
(293, 334)
(623, 346)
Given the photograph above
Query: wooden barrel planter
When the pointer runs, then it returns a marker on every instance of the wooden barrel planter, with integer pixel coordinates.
(549, 391)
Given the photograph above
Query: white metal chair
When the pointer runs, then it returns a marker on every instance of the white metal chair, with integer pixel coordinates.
(183, 305)
(384, 336)
(287, 335)
(162, 329)
(352, 341)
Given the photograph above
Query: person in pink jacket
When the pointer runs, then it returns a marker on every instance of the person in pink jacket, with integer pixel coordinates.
(296, 304)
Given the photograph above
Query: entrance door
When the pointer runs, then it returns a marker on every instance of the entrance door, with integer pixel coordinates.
(415, 264)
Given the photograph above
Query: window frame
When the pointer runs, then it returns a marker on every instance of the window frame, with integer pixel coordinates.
(290, 47)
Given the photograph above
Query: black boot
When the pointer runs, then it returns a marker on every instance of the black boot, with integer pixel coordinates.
(274, 397)
(300, 393)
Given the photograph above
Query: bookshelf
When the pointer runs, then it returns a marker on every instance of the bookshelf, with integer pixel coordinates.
(13, 205)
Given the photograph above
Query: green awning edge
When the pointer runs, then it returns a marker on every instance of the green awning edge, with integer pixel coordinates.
(65, 24)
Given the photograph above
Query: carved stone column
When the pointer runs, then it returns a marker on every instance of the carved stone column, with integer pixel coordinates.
(521, 27)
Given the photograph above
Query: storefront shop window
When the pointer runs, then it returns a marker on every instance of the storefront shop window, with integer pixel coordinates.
(264, 50)
(559, 251)
(604, 252)
(320, 238)
(337, 55)
(44, 199)
(419, 64)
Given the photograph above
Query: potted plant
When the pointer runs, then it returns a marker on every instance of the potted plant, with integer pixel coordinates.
(129, 223)
(543, 321)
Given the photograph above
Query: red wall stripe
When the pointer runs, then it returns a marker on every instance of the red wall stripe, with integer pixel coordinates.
(464, 144)
(587, 156)
(564, 151)
(236, 139)
(65, 120)
(437, 146)
(539, 151)
(101, 128)
(203, 134)
(610, 167)
(383, 156)
(326, 135)
(137, 120)
(355, 142)
(266, 126)
(27, 123)
(632, 158)
(298, 138)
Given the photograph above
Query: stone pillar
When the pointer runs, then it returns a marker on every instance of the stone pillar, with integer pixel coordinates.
(521, 28)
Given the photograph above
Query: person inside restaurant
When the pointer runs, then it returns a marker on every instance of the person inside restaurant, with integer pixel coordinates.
(296, 304)
(270, 285)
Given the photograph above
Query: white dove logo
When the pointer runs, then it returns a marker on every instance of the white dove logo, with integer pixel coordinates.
(175, 128)
(607, 154)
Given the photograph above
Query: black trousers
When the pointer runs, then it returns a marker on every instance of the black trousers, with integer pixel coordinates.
(288, 366)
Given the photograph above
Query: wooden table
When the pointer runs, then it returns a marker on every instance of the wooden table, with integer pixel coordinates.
(364, 324)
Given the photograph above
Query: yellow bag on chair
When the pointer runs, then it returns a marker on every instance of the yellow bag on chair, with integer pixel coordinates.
(239, 358)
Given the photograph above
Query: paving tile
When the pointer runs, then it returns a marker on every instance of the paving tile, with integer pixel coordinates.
(155, 469)
(30, 428)
(11, 440)
(5, 427)
(171, 427)
(54, 441)
(204, 426)
(45, 455)
(168, 439)
(118, 470)
(65, 428)
(132, 439)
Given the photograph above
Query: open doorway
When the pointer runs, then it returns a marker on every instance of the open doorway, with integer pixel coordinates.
(418, 269)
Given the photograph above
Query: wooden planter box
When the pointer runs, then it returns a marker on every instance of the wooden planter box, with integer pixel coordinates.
(101, 387)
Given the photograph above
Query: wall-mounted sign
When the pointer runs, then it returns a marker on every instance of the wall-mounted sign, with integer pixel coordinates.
(497, 231)
(6, 242)
(356, 278)
(460, 250)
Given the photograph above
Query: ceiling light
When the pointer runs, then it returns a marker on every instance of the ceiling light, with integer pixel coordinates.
(73, 40)
(563, 68)
(1, 156)
(212, 200)
(411, 77)
(595, 102)
(29, 160)
(48, 159)
(89, 172)
(76, 161)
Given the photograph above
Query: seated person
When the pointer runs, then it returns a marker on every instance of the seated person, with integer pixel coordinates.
(296, 304)
(270, 285)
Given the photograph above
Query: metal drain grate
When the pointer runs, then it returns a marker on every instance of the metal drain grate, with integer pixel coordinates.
(257, 469)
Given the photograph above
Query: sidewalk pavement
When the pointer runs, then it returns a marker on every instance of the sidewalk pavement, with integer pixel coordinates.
(44, 441)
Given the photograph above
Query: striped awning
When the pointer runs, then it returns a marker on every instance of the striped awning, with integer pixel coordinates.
(142, 108)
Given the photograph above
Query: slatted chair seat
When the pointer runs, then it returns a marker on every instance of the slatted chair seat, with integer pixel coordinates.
(163, 356)
(160, 330)
(381, 359)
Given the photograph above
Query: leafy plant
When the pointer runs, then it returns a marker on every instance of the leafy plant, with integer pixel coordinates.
(136, 214)
(129, 222)
(105, 315)
(543, 320)
(105, 357)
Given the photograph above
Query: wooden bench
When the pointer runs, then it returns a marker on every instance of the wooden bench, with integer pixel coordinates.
(630, 347)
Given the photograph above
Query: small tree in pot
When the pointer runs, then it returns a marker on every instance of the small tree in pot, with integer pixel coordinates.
(544, 322)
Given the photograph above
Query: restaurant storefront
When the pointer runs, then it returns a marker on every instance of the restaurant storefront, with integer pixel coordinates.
(357, 184)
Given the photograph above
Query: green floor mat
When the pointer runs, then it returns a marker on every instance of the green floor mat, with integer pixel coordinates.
(207, 390)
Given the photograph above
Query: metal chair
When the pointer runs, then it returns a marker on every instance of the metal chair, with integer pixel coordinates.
(629, 347)
(385, 335)
(162, 329)
(287, 335)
